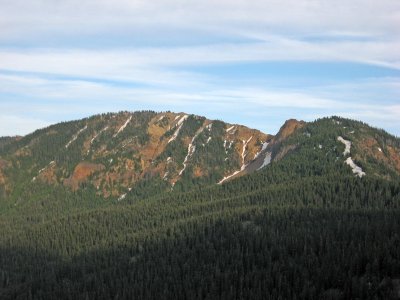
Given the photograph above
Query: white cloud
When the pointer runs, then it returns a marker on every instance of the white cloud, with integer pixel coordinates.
(300, 16)
(353, 31)
(157, 66)
(62, 99)
(57, 89)
(225, 32)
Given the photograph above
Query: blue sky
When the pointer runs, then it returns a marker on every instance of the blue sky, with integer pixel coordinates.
(253, 62)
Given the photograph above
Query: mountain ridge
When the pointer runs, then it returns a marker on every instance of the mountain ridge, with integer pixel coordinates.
(116, 152)
(128, 147)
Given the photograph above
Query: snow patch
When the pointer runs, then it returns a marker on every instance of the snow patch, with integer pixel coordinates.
(226, 144)
(95, 137)
(209, 126)
(123, 126)
(356, 169)
(227, 177)
(267, 160)
(191, 149)
(179, 124)
(263, 147)
(244, 153)
(75, 136)
(243, 162)
(122, 197)
(181, 120)
(379, 149)
(208, 140)
(165, 175)
(230, 128)
(320, 146)
(336, 122)
(50, 163)
(347, 145)
(160, 118)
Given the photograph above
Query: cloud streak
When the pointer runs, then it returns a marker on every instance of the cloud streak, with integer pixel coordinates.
(102, 55)
(254, 106)
(304, 16)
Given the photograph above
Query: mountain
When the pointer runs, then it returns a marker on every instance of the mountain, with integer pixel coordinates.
(113, 153)
(173, 206)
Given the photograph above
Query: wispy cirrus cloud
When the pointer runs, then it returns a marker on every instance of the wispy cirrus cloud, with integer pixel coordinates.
(56, 56)
(296, 16)
(263, 108)
(122, 63)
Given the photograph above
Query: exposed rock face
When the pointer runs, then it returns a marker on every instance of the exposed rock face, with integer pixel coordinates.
(81, 174)
(288, 129)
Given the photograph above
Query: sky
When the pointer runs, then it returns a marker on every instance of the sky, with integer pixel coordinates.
(251, 62)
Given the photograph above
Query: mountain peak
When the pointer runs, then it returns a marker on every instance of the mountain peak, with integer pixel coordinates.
(288, 128)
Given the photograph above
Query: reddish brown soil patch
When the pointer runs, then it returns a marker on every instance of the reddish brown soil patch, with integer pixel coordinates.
(371, 147)
(197, 172)
(82, 171)
(394, 157)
